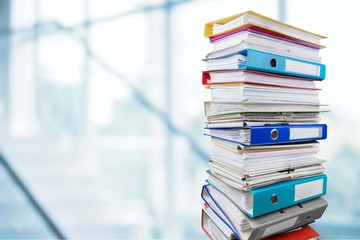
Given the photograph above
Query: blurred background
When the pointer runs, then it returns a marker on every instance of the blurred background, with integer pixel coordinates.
(101, 114)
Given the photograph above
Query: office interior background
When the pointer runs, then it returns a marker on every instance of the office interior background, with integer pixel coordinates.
(101, 114)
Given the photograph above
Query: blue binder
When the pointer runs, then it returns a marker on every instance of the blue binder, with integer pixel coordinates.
(276, 196)
(268, 62)
(217, 210)
(270, 134)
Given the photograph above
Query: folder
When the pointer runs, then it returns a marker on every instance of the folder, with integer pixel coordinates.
(246, 228)
(259, 201)
(213, 108)
(213, 227)
(267, 62)
(264, 160)
(249, 39)
(256, 93)
(270, 134)
(303, 233)
(256, 22)
(236, 77)
(220, 231)
(239, 148)
(233, 120)
(251, 179)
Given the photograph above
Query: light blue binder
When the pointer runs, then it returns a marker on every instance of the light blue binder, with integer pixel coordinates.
(275, 196)
(268, 62)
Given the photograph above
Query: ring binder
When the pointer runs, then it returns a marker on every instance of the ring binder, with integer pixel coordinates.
(273, 62)
(270, 134)
(246, 228)
(274, 134)
(258, 60)
(274, 199)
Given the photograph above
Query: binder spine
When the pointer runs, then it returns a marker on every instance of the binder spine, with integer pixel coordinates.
(286, 194)
(261, 61)
(206, 191)
(286, 133)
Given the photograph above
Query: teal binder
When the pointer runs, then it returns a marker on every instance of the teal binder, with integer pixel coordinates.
(259, 201)
(245, 228)
(273, 63)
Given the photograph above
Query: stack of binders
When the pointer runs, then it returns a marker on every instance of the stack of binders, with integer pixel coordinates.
(265, 179)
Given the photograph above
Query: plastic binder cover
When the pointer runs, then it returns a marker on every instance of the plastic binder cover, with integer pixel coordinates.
(246, 228)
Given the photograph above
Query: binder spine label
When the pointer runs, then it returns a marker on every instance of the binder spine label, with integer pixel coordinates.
(309, 189)
(267, 62)
(305, 133)
(279, 226)
(302, 67)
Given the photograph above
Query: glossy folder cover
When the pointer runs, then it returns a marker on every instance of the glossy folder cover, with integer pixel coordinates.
(273, 63)
(268, 224)
(270, 134)
(273, 197)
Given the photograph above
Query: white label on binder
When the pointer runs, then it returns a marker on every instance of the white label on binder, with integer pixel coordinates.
(279, 226)
(309, 189)
(302, 67)
(304, 133)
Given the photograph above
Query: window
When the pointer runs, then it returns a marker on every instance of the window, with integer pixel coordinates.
(102, 112)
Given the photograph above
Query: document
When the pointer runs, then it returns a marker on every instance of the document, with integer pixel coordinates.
(257, 93)
(246, 180)
(261, 42)
(239, 148)
(214, 108)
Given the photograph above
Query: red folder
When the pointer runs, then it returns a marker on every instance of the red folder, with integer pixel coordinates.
(304, 233)
(206, 78)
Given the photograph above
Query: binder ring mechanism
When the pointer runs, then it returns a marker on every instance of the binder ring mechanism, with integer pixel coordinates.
(273, 62)
(274, 199)
(274, 134)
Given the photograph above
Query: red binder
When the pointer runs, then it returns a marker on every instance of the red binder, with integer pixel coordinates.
(304, 233)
